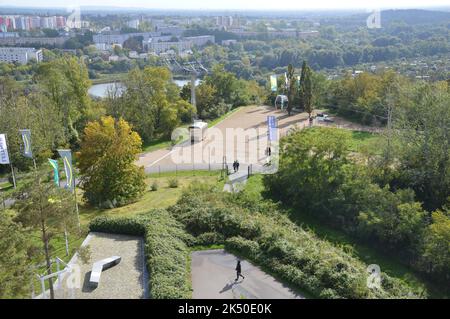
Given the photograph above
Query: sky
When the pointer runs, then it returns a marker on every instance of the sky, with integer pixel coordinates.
(234, 4)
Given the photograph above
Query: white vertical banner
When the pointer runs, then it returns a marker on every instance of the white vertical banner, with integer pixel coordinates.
(4, 156)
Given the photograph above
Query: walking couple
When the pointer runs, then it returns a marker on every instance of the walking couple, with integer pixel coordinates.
(236, 166)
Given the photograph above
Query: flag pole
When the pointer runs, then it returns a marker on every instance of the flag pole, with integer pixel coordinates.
(76, 203)
(10, 163)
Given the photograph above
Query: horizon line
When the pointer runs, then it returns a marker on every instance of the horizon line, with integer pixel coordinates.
(362, 8)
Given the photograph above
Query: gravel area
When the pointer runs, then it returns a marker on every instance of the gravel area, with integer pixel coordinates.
(123, 281)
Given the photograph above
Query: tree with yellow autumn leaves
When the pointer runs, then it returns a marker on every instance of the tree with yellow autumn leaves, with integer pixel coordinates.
(109, 176)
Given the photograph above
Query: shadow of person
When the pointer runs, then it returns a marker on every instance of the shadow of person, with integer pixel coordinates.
(227, 287)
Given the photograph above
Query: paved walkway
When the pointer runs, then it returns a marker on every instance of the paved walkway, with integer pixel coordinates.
(213, 277)
(248, 147)
(237, 180)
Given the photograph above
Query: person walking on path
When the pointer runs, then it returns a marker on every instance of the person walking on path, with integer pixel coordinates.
(234, 166)
(239, 271)
(237, 166)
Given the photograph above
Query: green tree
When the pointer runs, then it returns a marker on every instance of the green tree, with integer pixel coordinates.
(436, 245)
(421, 123)
(32, 111)
(306, 90)
(49, 210)
(151, 103)
(206, 99)
(223, 82)
(14, 269)
(65, 82)
(109, 176)
(291, 90)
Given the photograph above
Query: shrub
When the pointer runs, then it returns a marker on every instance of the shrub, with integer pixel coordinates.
(173, 183)
(127, 226)
(292, 254)
(209, 238)
(245, 247)
(154, 187)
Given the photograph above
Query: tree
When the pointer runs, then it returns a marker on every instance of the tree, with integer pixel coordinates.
(32, 111)
(206, 99)
(306, 90)
(291, 90)
(151, 103)
(109, 176)
(64, 82)
(49, 210)
(223, 82)
(436, 244)
(14, 268)
(421, 123)
(313, 165)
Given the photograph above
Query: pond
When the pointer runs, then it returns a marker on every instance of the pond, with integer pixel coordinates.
(101, 90)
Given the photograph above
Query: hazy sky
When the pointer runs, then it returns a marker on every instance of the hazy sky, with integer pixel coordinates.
(233, 4)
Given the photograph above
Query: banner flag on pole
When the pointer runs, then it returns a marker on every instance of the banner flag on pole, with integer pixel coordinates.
(54, 164)
(272, 127)
(66, 155)
(26, 138)
(273, 83)
(4, 156)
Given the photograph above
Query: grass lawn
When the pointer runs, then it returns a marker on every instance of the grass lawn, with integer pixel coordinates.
(164, 197)
(5, 185)
(157, 144)
(361, 141)
(388, 264)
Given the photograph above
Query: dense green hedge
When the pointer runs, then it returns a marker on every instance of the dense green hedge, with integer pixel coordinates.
(126, 226)
(292, 254)
(166, 251)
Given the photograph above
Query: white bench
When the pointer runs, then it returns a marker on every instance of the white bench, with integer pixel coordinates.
(101, 265)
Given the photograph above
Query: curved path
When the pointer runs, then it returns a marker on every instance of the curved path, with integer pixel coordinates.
(213, 277)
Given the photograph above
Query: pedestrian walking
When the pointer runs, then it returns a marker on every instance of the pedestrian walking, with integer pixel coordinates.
(239, 271)
(237, 166)
(234, 166)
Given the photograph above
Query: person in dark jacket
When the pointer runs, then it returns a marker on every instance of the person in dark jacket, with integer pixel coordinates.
(237, 165)
(238, 271)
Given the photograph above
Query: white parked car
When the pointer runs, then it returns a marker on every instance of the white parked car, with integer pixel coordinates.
(323, 117)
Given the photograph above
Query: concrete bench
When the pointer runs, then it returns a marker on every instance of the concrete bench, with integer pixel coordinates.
(101, 265)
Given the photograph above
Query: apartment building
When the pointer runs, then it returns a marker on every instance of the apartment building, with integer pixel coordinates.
(19, 55)
(182, 45)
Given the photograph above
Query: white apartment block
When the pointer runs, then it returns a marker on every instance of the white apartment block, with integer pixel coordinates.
(160, 47)
(200, 40)
(19, 55)
(182, 45)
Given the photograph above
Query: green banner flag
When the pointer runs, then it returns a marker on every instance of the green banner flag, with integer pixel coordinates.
(66, 155)
(54, 164)
(26, 138)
